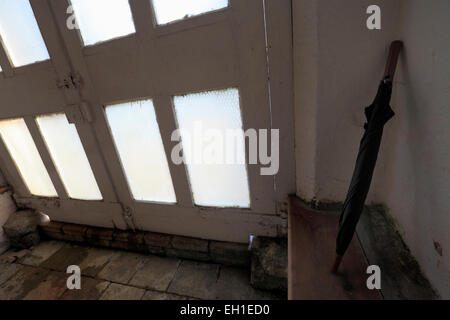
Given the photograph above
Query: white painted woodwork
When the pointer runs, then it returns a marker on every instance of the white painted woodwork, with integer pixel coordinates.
(217, 50)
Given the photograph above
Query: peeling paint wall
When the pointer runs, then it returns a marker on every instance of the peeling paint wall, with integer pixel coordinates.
(338, 64)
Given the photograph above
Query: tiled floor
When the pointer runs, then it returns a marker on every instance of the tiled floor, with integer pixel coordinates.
(40, 273)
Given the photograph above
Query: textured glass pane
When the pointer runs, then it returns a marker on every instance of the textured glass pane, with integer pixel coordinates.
(22, 149)
(101, 20)
(69, 157)
(171, 10)
(20, 33)
(206, 121)
(138, 141)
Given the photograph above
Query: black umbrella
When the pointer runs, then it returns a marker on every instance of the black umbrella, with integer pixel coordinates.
(377, 115)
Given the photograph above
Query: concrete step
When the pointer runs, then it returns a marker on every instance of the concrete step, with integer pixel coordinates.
(311, 248)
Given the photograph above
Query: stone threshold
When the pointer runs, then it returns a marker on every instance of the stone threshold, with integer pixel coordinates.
(226, 253)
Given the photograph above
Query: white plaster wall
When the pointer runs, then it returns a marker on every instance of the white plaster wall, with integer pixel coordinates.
(416, 181)
(306, 51)
(338, 64)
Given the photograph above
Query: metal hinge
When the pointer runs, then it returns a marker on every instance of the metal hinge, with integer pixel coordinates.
(128, 216)
(72, 81)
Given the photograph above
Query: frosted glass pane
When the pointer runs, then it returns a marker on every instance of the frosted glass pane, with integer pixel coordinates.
(170, 10)
(66, 150)
(20, 33)
(204, 118)
(22, 149)
(101, 20)
(136, 134)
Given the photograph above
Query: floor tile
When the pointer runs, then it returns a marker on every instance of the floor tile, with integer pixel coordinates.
(7, 270)
(22, 282)
(154, 295)
(234, 284)
(41, 252)
(13, 255)
(195, 279)
(68, 255)
(91, 289)
(122, 267)
(95, 260)
(156, 273)
(51, 288)
(117, 291)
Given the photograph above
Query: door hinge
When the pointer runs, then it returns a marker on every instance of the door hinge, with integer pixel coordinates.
(71, 81)
(128, 217)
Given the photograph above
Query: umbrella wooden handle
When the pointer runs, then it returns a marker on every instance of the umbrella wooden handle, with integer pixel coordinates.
(336, 263)
(391, 64)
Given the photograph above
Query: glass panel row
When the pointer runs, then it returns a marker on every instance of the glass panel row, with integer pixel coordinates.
(66, 150)
(97, 20)
(205, 122)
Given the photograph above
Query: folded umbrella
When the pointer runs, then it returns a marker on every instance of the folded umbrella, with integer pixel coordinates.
(377, 115)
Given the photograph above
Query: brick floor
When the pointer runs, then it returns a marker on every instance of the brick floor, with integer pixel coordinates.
(40, 274)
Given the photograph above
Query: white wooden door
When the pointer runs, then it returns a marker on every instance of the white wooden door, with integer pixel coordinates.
(216, 50)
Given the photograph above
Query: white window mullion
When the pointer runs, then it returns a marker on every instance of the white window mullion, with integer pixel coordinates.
(94, 135)
(68, 155)
(96, 160)
(46, 158)
(167, 125)
(5, 63)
